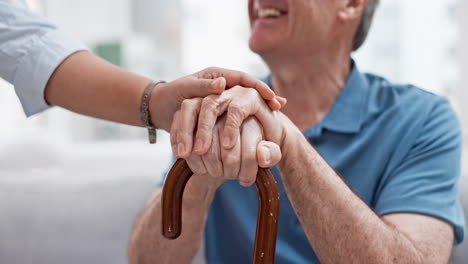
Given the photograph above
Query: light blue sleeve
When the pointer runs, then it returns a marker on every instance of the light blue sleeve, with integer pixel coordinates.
(31, 48)
(426, 180)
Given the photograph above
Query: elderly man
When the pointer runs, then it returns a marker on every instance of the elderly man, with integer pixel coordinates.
(369, 169)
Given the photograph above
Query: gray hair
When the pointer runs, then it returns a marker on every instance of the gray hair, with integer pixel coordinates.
(364, 26)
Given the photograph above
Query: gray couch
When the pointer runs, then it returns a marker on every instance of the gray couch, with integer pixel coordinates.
(74, 204)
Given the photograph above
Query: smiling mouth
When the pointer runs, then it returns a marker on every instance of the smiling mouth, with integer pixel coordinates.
(269, 12)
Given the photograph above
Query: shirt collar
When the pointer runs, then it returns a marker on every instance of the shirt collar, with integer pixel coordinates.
(347, 114)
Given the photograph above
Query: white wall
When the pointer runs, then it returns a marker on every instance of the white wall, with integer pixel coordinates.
(216, 34)
(89, 20)
(462, 92)
(414, 42)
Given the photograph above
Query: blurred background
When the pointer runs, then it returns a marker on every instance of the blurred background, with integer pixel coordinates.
(71, 186)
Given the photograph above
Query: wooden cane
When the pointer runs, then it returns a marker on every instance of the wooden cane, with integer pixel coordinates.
(268, 209)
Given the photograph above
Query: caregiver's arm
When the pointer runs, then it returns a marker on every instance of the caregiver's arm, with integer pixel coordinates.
(86, 84)
(340, 227)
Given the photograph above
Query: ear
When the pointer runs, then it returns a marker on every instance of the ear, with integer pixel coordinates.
(351, 9)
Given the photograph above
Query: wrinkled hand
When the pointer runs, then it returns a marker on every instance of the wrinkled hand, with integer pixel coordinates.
(239, 103)
(241, 162)
(168, 97)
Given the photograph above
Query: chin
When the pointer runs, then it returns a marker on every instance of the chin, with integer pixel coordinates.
(261, 44)
(255, 46)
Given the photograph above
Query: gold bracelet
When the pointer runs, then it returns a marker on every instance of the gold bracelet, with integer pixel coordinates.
(145, 112)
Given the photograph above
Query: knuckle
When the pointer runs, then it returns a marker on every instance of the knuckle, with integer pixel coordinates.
(211, 73)
(252, 95)
(250, 159)
(250, 92)
(211, 156)
(207, 72)
(235, 110)
(213, 174)
(235, 106)
(173, 133)
(212, 169)
(248, 168)
(209, 101)
(231, 160)
(196, 167)
(209, 106)
(178, 136)
(183, 135)
(203, 127)
(231, 128)
(185, 106)
(189, 104)
(253, 92)
(211, 110)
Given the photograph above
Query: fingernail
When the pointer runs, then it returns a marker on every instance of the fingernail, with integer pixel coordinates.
(216, 83)
(180, 148)
(227, 141)
(267, 155)
(198, 145)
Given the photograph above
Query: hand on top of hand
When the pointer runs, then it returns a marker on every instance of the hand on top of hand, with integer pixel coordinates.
(231, 147)
(168, 97)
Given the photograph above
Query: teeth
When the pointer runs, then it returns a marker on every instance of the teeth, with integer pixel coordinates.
(268, 12)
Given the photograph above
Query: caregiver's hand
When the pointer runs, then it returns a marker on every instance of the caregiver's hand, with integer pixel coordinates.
(239, 163)
(169, 96)
(240, 103)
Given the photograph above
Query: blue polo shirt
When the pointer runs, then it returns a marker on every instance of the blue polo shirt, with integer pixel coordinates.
(397, 146)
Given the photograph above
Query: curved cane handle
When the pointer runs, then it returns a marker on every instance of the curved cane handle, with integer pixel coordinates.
(268, 209)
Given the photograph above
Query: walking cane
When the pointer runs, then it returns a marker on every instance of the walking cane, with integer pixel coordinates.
(268, 209)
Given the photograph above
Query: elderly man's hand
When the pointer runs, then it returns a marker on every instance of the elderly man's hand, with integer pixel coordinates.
(239, 103)
(247, 120)
(241, 162)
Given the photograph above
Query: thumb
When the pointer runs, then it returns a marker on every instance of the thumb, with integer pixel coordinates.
(268, 154)
(192, 88)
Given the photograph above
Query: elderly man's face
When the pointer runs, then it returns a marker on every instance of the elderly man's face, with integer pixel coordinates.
(291, 25)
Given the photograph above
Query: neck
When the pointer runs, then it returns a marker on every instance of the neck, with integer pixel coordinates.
(311, 84)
